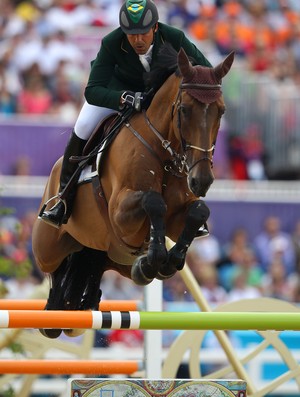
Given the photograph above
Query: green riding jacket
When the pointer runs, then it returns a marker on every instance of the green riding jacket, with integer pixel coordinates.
(117, 67)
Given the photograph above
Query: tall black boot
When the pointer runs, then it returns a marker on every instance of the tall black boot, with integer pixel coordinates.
(61, 211)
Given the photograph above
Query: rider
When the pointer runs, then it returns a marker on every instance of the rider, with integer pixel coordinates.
(116, 81)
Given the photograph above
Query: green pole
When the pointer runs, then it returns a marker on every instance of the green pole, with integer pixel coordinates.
(220, 321)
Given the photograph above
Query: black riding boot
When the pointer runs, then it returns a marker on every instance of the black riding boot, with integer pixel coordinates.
(61, 211)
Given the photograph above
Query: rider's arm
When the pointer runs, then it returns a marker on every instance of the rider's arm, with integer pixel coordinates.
(98, 92)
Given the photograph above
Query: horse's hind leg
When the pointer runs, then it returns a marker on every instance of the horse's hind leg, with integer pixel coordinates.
(197, 215)
(83, 287)
(76, 284)
(146, 267)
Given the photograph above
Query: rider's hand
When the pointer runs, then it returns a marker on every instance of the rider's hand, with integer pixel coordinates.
(133, 99)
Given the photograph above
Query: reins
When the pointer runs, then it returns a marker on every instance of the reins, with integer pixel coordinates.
(177, 164)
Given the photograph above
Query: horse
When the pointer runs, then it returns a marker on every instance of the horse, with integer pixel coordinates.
(144, 186)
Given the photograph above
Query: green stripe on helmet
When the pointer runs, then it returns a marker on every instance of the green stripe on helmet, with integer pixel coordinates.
(135, 9)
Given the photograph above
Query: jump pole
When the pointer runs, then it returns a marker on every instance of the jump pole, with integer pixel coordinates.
(260, 321)
(67, 367)
(39, 304)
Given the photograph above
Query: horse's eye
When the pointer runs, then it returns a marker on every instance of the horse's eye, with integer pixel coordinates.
(184, 110)
(222, 110)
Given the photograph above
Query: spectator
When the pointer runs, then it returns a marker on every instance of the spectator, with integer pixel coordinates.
(175, 290)
(239, 240)
(240, 287)
(10, 85)
(276, 283)
(66, 88)
(231, 32)
(296, 291)
(272, 242)
(237, 156)
(22, 166)
(213, 292)
(254, 153)
(7, 101)
(203, 28)
(232, 256)
(35, 98)
(182, 13)
(118, 287)
(15, 264)
(296, 242)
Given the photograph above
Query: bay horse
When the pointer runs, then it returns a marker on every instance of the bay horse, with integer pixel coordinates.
(146, 185)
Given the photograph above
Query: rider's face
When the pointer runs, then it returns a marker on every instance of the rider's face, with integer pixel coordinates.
(142, 42)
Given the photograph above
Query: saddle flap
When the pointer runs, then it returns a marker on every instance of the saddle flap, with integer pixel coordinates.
(102, 129)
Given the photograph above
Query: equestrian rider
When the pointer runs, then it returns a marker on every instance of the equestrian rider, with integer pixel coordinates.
(116, 81)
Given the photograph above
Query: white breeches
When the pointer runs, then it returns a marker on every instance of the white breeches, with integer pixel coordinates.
(89, 117)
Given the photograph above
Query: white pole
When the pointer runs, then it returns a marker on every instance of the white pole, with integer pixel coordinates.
(153, 338)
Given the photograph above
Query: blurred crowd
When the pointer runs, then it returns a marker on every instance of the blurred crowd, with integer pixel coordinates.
(241, 268)
(268, 265)
(44, 60)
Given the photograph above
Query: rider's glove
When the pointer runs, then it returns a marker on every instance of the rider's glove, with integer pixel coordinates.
(133, 99)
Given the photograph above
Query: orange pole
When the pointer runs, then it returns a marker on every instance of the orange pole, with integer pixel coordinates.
(39, 304)
(50, 319)
(59, 367)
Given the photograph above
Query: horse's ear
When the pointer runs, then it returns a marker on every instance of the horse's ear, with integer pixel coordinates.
(223, 68)
(185, 66)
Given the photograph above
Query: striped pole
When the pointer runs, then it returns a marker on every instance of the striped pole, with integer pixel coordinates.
(66, 367)
(39, 304)
(150, 320)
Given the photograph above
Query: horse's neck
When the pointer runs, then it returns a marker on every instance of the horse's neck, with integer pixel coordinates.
(161, 108)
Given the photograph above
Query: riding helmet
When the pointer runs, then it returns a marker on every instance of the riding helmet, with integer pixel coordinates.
(138, 16)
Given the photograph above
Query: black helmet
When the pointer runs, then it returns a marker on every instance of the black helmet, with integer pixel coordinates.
(138, 16)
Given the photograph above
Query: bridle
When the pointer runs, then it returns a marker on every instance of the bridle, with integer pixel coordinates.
(176, 103)
(178, 163)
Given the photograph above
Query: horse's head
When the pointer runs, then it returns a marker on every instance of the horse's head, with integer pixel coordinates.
(199, 107)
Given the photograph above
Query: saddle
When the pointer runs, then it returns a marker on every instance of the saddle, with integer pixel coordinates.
(101, 132)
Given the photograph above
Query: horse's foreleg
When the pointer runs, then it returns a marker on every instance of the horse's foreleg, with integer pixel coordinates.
(197, 215)
(146, 267)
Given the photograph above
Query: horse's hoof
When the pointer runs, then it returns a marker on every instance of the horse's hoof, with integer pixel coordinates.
(165, 272)
(138, 276)
(51, 333)
(176, 258)
(72, 333)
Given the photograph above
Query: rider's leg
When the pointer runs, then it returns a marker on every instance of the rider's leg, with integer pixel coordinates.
(88, 119)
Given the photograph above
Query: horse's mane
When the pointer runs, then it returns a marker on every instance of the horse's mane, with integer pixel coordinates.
(162, 68)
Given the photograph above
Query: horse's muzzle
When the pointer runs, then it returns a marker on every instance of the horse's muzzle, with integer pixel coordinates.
(200, 186)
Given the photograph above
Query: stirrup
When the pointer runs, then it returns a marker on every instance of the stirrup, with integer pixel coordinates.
(44, 215)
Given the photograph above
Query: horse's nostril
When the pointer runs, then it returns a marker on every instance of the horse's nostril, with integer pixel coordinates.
(194, 185)
(199, 187)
